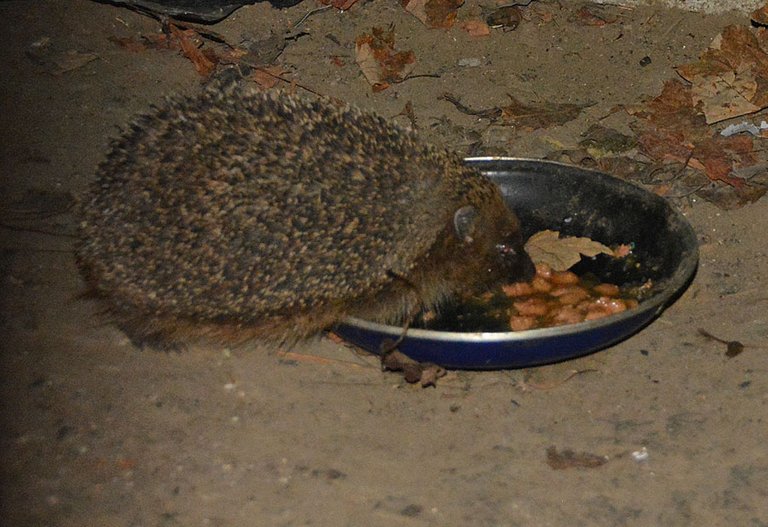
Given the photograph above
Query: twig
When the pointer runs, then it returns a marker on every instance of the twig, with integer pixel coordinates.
(309, 14)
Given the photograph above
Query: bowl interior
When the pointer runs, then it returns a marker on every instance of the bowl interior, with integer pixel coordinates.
(580, 202)
(575, 202)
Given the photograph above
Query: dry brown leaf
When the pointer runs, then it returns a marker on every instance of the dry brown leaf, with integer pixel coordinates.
(547, 247)
(268, 77)
(594, 15)
(535, 116)
(731, 197)
(434, 13)
(731, 77)
(189, 41)
(380, 63)
(507, 17)
(475, 28)
(525, 116)
(673, 109)
(760, 16)
(719, 155)
(724, 96)
(664, 145)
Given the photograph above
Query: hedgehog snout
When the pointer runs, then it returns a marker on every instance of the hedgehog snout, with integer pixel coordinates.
(516, 263)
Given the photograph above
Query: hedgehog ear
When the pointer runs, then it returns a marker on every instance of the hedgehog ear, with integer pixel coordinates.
(464, 222)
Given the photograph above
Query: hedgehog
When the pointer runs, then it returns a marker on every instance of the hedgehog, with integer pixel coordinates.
(239, 214)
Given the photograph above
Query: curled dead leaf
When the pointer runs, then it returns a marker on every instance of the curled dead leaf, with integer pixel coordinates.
(760, 16)
(547, 247)
(525, 116)
(269, 76)
(475, 28)
(380, 63)
(190, 43)
(506, 17)
(434, 13)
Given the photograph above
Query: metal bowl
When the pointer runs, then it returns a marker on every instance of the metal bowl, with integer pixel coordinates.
(576, 202)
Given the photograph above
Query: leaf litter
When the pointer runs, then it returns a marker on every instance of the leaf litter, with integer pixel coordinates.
(434, 13)
(207, 50)
(525, 116)
(380, 63)
(729, 80)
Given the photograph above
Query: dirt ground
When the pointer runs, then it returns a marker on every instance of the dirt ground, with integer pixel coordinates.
(95, 432)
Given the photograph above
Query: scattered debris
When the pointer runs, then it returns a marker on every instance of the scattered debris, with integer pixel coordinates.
(569, 459)
(733, 347)
(410, 114)
(206, 49)
(524, 116)
(745, 126)
(424, 373)
(470, 63)
(506, 18)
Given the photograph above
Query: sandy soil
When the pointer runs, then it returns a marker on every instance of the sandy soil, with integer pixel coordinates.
(97, 433)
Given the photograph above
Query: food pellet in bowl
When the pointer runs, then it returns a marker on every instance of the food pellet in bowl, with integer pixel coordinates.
(556, 298)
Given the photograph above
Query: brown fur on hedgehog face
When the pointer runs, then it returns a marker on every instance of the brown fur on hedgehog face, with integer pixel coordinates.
(235, 215)
(486, 249)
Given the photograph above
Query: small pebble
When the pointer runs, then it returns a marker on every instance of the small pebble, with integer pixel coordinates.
(470, 63)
